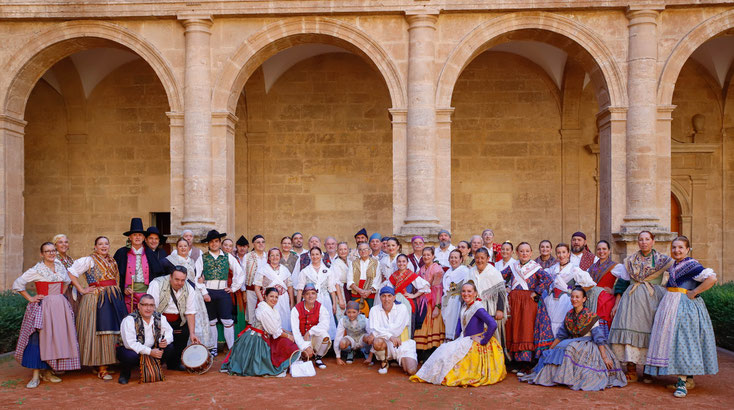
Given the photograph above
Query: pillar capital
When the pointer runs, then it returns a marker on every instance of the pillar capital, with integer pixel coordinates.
(198, 22)
(175, 119)
(421, 19)
(443, 115)
(647, 15)
(399, 115)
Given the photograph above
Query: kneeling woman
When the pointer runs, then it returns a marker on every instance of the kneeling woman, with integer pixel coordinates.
(475, 358)
(263, 348)
(682, 341)
(579, 356)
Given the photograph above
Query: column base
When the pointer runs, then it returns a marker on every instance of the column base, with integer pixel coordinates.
(199, 227)
(427, 229)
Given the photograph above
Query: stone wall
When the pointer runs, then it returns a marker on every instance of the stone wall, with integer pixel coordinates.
(90, 185)
(506, 153)
(316, 156)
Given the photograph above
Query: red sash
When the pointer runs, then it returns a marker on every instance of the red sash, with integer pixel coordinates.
(401, 284)
(42, 287)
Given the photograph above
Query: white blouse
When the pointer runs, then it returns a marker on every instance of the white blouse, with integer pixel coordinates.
(269, 318)
(41, 273)
(320, 279)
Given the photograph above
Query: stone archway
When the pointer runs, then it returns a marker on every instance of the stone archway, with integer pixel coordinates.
(280, 36)
(483, 36)
(703, 32)
(288, 32)
(24, 70)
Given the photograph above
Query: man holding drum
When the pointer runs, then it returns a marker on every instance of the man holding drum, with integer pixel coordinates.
(147, 339)
(174, 299)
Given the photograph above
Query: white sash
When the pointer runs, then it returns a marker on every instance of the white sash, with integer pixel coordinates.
(274, 276)
(520, 274)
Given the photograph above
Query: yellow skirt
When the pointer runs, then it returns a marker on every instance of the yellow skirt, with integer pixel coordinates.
(482, 366)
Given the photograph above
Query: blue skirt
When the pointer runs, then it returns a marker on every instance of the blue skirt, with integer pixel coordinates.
(110, 312)
(32, 354)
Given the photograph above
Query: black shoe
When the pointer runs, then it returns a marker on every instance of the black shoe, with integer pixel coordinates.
(124, 377)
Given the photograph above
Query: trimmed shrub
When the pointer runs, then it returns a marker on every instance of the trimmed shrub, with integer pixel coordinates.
(720, 304)
(12, 309)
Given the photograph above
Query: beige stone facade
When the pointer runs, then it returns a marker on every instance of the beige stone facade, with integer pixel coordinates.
(534, 118)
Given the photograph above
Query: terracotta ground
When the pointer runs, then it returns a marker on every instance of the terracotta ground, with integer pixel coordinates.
(342, 386)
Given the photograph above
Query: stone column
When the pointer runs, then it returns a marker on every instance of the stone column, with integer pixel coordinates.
(421, 127)
(641, 118)
(223, 168)
(178, 186)
(12, 131)
(443, 166)
(197, 170)
(642, 175)
(399, 178)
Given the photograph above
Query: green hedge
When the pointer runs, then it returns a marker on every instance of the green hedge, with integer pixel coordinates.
(720, 303)
(12, 309)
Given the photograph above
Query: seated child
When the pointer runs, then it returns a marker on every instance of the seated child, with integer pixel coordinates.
(350, 334)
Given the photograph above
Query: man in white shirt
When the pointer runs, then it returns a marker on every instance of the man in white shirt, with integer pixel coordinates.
(581, 256)
(297, 240)
(330, 252)
(214, 266)
(254, 261)
(243, 246)
(444, 248)
(174, 299)
(365, 278)
(390, 333)
(310, 323)
(144, 332)
(376, 246)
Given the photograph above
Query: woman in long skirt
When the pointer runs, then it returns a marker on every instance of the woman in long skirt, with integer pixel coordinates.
(264, 348)
(682, 341)
(102, 307)
(601, 298)
(453, 279)
(630, 332)
(47, 336)
(429, 328)
(475, 358)
(565, 276)
(579, 356)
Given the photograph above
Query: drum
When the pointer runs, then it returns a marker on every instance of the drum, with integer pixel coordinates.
(196, 359)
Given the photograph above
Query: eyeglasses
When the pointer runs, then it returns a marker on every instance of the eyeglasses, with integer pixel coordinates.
(147, 304)
(50, 251)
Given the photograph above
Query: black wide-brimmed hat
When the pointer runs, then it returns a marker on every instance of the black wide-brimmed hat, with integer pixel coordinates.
(154, 230)
(213, 234)
(136, 226)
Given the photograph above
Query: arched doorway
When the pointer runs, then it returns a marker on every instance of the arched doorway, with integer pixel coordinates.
(675, 215)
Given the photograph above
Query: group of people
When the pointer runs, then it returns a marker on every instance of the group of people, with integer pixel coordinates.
(451, 315)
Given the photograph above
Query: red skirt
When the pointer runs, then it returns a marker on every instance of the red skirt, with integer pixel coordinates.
(520, 325)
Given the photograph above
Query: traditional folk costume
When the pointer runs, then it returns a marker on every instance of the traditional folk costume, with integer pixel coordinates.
(529, 327)
(415, 263)
(323, 281)
(315, 323)
(253, 263)
(262, 349)
(632, 326)
(279, 278)
(290, 261)
(600, 299)
(202, 317)
(558, 301)
(494, 253)
(174, 306)
(101, 311)
(47, 335)
(429, 331)
(395, 324)
(341, 269)
(139, 338)
(442, 256)
(71, 293)
(546, 264)
(354, 331)
(408, 282)
(215, 270)
(388, 265)
(464, 361)
(584, 260)
(682, 340)
(500, 265)
(577, 361)
(366, 275)
(137, 267)
(452, 280)
(492, 296)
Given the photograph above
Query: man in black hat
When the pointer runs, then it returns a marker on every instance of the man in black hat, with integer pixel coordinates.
(581, 256)
(243, 246)
(214, 266)
(359, 237)
(137, 264)
(155, 240)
